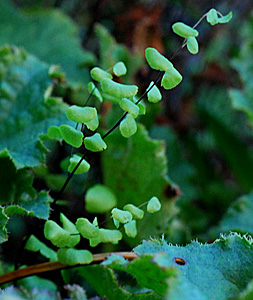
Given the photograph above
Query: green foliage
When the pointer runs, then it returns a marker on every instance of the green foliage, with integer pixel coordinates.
(25, 114)
(49, 35)
(184, 30)
(218, 271)
(94, 143)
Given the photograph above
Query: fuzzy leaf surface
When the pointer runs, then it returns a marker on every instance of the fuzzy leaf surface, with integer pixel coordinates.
(44, 33)
(211, 271)
(25, 114)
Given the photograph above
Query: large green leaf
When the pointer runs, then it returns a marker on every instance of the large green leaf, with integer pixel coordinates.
(25, 113)
(3, 222)
(105, 284)
(136, 170)
(48, 34)
(211, 271)
(239, 216)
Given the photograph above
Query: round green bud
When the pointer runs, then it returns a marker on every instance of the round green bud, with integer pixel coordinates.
(184, 30)
(154, 94)
(57, 235)
(154, 205)
(118, 90)
(129, 106)
(136, 212)
(192, 45)
(84, 167)
(70, 256)
(121, 215)
(99, 199)
(157, 61)
(71, 136)
(98, 74)
(81, 114)
(94, 143)
(119, 69)
(130, 229)
(171, 79)
(87, 229)
(128, 126)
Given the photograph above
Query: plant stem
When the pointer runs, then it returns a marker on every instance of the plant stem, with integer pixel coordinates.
(56, 265)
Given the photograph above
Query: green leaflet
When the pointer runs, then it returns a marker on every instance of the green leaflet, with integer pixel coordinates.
(94, 143)
(92, 89)
(48, 34)
(119, 69)
(157, 61)
(72, 256)
(71, 228)
(136, 212)
(118, 90)
(192, 45)
(128, 126)
(184, 30)
(99, 74)
(80, 114)
(171, 79)
(24, 113)
(34, 244)
(71, 135)
(130, 229)
(154, 94)
(129, 106)
(121, 215)
(57, 235)
(82, 168)
(87, 229)
(154, 205)
(215, 271)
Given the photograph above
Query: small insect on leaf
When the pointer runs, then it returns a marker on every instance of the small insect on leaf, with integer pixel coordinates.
(71, 136)
(83, 167)
(119, 69)
(118, 90)
(94, 143)
(81, 114)
(154, 205)
(73, 257)
(99, 199)
(129, 106)
(128, 126)
(179, 261)
(192, 45)
(157, 61)
(184, 30)
(121, 215)
(99, 74)
(171, 79)
(154, 94)
(130, 229)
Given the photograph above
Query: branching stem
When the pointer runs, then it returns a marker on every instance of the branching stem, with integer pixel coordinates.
(56, 265)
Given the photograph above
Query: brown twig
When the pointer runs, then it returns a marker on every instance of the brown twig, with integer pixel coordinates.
(56, 265)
